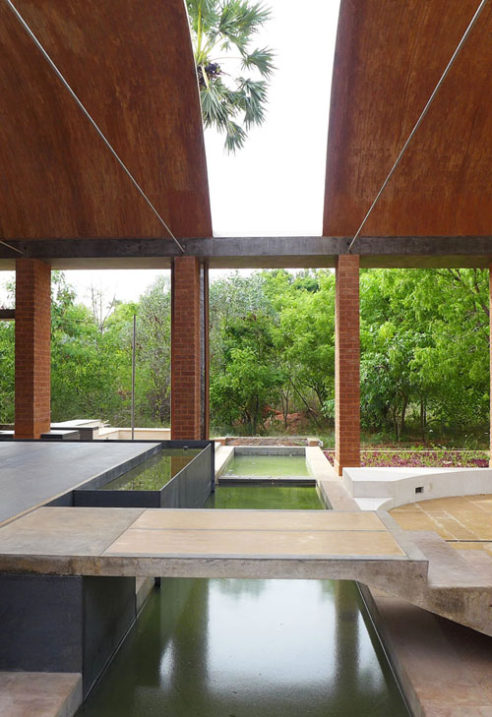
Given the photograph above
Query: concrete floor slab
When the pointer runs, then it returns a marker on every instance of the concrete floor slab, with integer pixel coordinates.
(33, 473)
(112, 541)
(66, 531)
(258, 520)
(461, 520)
(39, 694)
(251, 543)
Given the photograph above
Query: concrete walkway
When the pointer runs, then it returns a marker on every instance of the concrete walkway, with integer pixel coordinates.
(204, 543)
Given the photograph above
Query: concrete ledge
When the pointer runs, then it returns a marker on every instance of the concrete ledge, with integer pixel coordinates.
(269, 450)
(318, 464)
(110, 433)
(40, 694)
(223, 457)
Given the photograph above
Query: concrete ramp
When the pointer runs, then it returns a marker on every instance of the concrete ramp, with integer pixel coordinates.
(210, 543)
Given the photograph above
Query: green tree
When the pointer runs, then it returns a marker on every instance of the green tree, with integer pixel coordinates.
(154, 354)
(7, 368)
(304, 339)
(248, 380)
(232, 101)
(88, 365)
(424, 355)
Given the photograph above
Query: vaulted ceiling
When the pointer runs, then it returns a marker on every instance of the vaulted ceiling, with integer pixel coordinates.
(131, 64)
(390, 55)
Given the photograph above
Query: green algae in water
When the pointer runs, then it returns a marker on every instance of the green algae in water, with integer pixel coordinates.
(155, 472)
(249, 648)
(264, 466)
(270, 497)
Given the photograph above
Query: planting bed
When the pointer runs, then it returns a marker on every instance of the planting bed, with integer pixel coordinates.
(420, 459)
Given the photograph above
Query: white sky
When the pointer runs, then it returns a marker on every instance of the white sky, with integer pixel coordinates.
(275, 185)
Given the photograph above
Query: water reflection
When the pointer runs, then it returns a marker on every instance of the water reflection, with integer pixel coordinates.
(237, 648)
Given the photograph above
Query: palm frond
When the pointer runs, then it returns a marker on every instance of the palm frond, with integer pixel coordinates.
(235, 136)
(262, 60)
(253, 99)
(239, 21)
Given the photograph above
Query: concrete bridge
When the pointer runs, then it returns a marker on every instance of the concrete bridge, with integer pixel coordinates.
(123, 542)
(364, 546)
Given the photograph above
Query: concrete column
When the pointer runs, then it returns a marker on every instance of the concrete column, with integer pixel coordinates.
(189, 349)
(347, 363)
(32, 347)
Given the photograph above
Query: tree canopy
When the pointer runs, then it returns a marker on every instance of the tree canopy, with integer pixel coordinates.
(424, 354)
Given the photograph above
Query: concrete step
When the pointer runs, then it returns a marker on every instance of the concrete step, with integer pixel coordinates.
(448, 567)
(40, 694)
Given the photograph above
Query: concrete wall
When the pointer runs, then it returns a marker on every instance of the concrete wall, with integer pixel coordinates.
(400, 486)
(125, 434)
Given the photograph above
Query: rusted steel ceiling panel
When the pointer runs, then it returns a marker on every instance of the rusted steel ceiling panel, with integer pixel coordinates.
(390, 55)
(131, 64)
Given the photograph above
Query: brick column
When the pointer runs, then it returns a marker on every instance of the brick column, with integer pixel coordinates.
(32, 347)
(490, 360)
(189, 349)
(347, 360)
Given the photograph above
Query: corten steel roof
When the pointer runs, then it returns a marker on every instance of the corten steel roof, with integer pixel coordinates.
(131, 64)
(390, 55)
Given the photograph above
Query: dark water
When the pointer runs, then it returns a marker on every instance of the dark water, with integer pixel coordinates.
(265, 466)
(155, 472)
(269, 497)
(249, 648)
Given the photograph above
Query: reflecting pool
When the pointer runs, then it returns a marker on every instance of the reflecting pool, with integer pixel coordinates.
(264, 466)
(250, 648)
(154, 472)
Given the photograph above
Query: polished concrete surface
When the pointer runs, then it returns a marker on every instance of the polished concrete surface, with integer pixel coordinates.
(464, 522)
(204, 543)
(33, 473)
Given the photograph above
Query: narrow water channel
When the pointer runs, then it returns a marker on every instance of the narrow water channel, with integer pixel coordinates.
(250, 648)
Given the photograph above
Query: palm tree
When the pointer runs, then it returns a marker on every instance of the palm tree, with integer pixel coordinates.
(231, 104)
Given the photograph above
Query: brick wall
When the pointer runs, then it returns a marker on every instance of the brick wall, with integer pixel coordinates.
(186, 375)
(347, 363)
(32, 348)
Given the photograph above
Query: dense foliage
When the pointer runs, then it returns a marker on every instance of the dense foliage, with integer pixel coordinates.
(424, 354)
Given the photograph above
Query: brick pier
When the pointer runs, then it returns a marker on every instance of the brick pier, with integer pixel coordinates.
(347, 361)
(189, 349)
(32, 347)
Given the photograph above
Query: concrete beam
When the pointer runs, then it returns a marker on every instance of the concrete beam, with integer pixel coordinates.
(254, 252)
